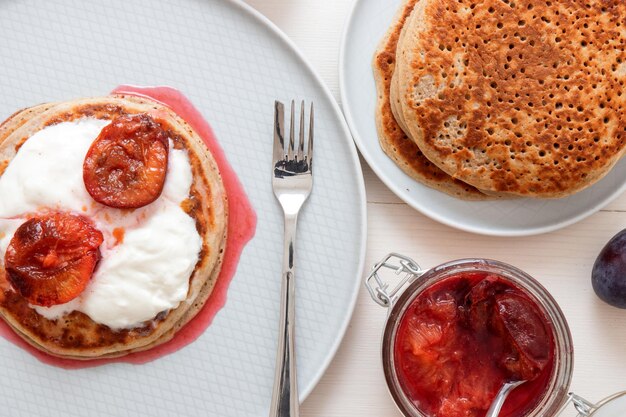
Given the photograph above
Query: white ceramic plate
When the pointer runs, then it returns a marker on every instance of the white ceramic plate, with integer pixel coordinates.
(615, 407)
(232, 63)
(365, 27)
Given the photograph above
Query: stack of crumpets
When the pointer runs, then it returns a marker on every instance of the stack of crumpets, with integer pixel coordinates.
(503, 98)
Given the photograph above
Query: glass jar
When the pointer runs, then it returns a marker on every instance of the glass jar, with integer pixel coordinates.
(416, 280)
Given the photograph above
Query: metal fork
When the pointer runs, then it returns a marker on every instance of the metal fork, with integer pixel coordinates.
(292, 181)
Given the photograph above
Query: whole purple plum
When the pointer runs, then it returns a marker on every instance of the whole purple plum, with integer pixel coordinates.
(608, 275)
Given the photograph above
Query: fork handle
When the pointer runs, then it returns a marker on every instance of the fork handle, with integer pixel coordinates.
(285, 394)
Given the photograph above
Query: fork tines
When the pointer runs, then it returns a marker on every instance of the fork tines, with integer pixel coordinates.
(287, 158)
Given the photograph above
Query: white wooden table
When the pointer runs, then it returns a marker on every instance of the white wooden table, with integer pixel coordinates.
(354, 383)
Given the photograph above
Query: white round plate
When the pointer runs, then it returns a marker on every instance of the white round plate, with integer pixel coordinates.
(615, 407)
(366, 25)
(232, 64)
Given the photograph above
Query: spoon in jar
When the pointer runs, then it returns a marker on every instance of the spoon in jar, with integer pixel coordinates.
(504, 392)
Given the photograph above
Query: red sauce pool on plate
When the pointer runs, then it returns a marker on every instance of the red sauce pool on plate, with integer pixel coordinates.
(241, 228)
(461, 339)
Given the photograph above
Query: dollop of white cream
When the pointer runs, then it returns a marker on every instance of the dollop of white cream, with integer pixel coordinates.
(136, 279)
(47, 171)
(7, 230)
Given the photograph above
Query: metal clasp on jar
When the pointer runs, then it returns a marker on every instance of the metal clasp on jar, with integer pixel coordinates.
(586, 408)
(406, 268)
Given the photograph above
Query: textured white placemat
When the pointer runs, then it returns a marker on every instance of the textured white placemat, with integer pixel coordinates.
(232, 66)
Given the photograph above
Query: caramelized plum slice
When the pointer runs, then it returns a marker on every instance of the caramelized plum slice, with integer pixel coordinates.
(479, 302)
(126, 165)
(51, 258)
(528, 350)
(429, 323)
(421, 335)
(486, 289)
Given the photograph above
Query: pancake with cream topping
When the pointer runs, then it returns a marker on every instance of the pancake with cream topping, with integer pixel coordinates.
(88, 327)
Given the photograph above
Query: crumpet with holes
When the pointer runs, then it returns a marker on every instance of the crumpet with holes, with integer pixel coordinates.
(393, 139)
(522, 97)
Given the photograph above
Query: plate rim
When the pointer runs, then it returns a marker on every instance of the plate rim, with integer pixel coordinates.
(279, 40)
(403, 195)
(356, 164)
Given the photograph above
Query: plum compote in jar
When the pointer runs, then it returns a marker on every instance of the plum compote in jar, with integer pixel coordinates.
(463, 329)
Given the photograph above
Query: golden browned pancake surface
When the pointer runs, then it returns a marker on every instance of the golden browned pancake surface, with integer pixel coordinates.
(520, 97)
(393, 140)
(75, 335)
